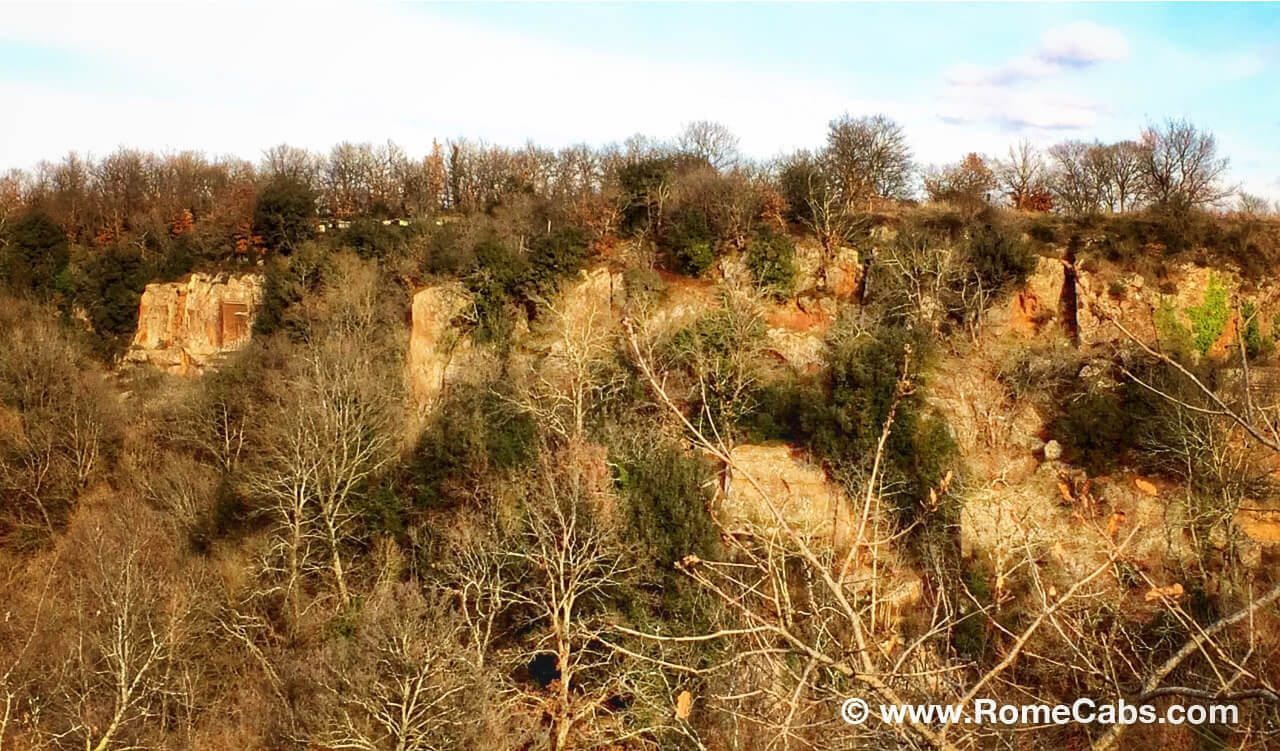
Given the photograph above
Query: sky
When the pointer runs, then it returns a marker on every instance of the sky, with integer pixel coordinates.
(232, 79)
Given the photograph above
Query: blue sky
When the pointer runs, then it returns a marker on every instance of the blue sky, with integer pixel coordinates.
(234, 79)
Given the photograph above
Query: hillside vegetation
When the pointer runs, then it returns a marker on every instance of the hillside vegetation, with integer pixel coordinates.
(640, 447)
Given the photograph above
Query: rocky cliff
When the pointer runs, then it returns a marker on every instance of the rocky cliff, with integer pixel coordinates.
(184, 327)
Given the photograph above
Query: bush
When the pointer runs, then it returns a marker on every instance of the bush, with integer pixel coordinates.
(1175, 339)
(115, 281)
(841, 421)
(553, 257)
(772, 260)
(1256, 344)
(720, 352)
(37, 255)
(371, 238)
(1209, 318)
(1043, 231)
(668, 508)
(284, 214)
(1000, 259)
(287, 281)
(473, 433)
(689, 243)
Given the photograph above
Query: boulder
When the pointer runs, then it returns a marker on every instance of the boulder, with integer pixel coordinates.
(184, 327)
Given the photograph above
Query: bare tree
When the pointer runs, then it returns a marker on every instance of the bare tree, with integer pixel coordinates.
(966, 184)
(1022, 177)
(399, 686)
(115, 678)
(1118, 166)
(573, 567)
(331, 433)
(711, 141)
(1075, 178)
(1180, 166)
(576, 374)
(869, 157)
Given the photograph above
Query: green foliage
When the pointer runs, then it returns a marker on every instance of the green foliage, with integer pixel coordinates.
(36, 254)
(284, 213)
(1175, 338)
(114, 284)
(689, 243)
(841, 421)
(1256, 344)
(643, 284)
(1209, 318)
(719, 351)
(501, 277)
(1043, 231)
(286, 282)
(371, 238)
(473, 433)
(640, 180)
(864, 376)
(668, 502)
(553, 257)
(771, 257)
(1000, 259)
(668, 498)
(1100, 428)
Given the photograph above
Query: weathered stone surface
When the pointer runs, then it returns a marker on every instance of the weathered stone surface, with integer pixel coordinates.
(185, 326)
(1038, 304)
(441, 353)
(810, 503)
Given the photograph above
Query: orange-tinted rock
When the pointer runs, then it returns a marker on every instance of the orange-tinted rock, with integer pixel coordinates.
(184, 327)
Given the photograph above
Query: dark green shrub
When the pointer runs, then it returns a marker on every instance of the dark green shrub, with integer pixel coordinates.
(447, 251)
(1101, 428)
(1256, 344)
(472, 434)
(36, 256)
(114, 283)
(1000, 259)
(643, 284)
(771, 257)
(845, 427)
(1042, 231)
(371, 238)
(667, 491)
(284, 214)
(553, 257)
(689, 243)
(179, 258)
(286, 282)
(639, 182)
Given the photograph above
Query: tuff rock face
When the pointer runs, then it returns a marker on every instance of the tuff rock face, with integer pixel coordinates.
(800, 490)
(441, 353)
(185, 327)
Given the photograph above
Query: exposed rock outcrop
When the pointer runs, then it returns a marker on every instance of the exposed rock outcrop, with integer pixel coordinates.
(185, 327)
(800, 490)
(441, 353)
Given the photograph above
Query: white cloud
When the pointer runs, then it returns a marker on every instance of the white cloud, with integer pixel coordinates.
(1082, 43)
(1028, 91)
(1076, 45)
